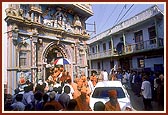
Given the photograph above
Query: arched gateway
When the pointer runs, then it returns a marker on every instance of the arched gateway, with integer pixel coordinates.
(52, 52)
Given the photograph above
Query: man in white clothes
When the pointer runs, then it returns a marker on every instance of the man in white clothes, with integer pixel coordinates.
(105, 75)
(146, 93)
(90, 84)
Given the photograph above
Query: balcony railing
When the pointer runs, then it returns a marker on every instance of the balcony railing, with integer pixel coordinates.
(146, 45)
(130, 48)
(149, 13)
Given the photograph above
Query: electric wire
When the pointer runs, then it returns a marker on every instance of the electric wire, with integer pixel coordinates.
(131, 12)
(125, 13)
(110, 15)
(119, 14)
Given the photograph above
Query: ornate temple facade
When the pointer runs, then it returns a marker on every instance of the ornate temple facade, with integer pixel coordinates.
(38, 34)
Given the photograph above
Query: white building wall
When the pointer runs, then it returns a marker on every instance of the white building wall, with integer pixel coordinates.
(116, 40)
(134, 62)
(149, 63)
(94, 64)
(160, 29)
(129, 38)
(106, 65)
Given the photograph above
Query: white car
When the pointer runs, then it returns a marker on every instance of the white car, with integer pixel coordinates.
(100, 93)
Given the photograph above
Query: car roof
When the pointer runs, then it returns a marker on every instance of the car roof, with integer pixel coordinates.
(109, 84)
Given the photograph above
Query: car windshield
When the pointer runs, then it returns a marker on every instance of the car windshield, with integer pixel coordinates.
(102, 92)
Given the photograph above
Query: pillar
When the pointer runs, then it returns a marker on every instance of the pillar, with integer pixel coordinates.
(32, 16)
(124, 41)
(112, 45)
(34, 58)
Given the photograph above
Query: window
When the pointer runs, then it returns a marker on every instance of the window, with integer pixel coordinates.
(109, 44)
(23, 58)
(98, 65)
(102, 92)
(139, 40)
(104, 47)
(152, 35)
(138, 36)
(141, 63)
(98, 47)
(93, 50)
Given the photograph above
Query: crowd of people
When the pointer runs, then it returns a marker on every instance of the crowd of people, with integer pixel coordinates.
(146, 84)
(59, 93)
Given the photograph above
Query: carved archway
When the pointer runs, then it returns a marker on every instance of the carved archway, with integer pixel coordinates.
(50, 53)
(53, 51)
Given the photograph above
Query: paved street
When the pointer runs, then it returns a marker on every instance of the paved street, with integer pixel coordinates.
(137, 102)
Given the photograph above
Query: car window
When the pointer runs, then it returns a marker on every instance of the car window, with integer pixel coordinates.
(102, 92)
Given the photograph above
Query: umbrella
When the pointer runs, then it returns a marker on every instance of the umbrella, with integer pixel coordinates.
(62, 61)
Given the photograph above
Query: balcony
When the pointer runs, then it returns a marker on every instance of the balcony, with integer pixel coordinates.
(141, 17)
(144, 46)
(99, 55)
(130, 48)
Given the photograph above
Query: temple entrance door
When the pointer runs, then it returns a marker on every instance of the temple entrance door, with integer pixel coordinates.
(52, 53)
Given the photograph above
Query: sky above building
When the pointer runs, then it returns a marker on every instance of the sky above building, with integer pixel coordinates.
(106, 15)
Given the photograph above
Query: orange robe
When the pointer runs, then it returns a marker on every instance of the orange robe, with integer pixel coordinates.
(63, 78)
(94, 80)
(84, 80)
(56, 74)
(76, 91)
(54, 103)
(110, 107)
(80, 83)
(82, 105)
